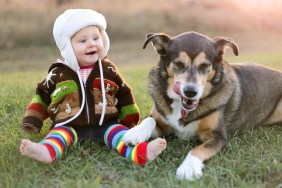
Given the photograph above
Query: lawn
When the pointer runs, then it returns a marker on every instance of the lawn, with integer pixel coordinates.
(253, 158)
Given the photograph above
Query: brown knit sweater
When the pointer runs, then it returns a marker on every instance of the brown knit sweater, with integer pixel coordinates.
(61, 94)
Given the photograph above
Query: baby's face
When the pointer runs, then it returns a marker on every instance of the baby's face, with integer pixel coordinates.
(87, 45)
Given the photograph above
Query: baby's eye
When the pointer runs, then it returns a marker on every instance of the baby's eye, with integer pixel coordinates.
(82, 41)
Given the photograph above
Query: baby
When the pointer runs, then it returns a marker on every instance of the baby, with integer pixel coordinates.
(84, 95)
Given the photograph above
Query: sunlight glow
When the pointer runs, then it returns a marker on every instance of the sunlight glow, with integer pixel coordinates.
(266, 9)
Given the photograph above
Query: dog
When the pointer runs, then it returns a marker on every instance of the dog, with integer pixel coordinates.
(197, 94)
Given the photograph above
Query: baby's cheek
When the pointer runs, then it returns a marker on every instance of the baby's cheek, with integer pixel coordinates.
(100, 53)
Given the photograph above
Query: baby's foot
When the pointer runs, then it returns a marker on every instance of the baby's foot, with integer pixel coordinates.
(35, 151)
(155, 148)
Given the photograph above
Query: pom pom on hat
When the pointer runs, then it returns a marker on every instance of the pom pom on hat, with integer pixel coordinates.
(70, 22)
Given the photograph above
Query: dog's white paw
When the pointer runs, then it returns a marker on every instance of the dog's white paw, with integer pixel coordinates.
(140, 133)
(190, 169)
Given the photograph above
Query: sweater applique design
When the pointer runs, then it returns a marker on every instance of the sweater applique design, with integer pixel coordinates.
(65, 100)
(111, 88)
(49, 78)
(113, 70)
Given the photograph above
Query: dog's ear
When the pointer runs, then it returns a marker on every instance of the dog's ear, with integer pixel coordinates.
(222, 42)
(160, 42)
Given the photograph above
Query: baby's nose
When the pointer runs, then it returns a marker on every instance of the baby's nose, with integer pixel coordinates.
(91, 44)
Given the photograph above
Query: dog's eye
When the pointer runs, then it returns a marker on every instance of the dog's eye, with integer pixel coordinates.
(179, 64)
(204, 66)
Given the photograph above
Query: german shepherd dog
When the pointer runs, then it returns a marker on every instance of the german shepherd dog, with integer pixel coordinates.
(196, 93)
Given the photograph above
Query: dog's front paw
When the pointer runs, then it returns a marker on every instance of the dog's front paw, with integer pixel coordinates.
(140, 133)
(190, 169)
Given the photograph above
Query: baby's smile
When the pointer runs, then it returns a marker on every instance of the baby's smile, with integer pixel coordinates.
(91, 53)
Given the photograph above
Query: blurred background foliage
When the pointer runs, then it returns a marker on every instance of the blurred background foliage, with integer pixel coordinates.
(26, 25)
(30, 22)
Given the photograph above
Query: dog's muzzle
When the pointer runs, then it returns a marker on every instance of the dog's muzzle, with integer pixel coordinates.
(187, 102)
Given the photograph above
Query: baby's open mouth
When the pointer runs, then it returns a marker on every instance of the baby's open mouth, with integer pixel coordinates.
(91, 53)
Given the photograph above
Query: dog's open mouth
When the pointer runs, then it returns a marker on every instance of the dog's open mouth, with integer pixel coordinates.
(186, 103)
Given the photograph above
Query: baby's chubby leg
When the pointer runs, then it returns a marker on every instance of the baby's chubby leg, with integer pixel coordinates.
(51, 147)
(35, 151)
(140, 153)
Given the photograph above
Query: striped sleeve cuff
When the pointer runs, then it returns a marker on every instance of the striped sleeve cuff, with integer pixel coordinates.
(31, 125)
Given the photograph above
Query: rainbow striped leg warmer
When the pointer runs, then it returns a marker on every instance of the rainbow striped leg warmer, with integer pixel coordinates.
(58, 139)
(113, 137)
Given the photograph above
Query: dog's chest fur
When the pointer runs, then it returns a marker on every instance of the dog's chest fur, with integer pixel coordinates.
(182, 132)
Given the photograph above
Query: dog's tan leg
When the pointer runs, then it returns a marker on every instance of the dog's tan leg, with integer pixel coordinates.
(212, 136)
(213, 139)
(191, 167)
(208, 149)
(276, 116)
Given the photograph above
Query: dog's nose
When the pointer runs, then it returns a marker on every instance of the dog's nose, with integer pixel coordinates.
(190, 91)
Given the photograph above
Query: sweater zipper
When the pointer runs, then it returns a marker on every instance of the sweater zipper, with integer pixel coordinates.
(86, 104)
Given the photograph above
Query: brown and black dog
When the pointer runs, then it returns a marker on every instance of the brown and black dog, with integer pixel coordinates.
(197, 93)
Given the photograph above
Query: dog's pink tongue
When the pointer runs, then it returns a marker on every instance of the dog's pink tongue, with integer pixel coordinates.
(184, 113)
(176, 88)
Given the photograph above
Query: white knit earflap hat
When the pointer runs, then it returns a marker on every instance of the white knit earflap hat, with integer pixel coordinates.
(71, 21)
(65, 26)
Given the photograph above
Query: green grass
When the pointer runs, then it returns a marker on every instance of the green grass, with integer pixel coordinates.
(253, 158)
(268, 58)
